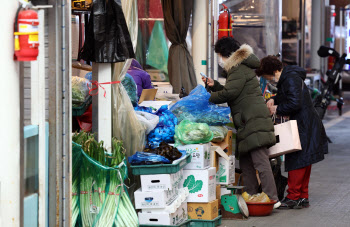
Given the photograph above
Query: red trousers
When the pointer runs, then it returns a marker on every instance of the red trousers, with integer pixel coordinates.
(298, 183)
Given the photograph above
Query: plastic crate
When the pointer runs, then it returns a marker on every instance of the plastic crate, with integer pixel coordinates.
(80, 110)
(184, 224)
(161, 168)
(206, 223)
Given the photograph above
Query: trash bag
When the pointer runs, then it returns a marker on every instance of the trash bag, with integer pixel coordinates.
(107, 36)
(158, 53)
(188, 132)
(144, 158)
(196, 108)
(131, 88)
(148, 120)
(80, 90)
(165, 130)
(219, 133)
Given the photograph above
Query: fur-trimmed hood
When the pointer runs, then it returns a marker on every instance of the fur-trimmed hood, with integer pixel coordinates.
(244, 55)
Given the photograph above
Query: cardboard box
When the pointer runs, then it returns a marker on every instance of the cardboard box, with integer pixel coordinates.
(203, 211)
(164, 218)
(201, 185)
(148, 95)
(226, 172)
(228, 143)
(218, 192)
(200, 155)
(154, 199)
(157, 75)
(224, 164)
(160, 182)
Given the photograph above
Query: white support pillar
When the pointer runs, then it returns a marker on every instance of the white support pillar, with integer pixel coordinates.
(200, 35)
(102, 105)
(9, 121)
(38, 113)
(215, 24)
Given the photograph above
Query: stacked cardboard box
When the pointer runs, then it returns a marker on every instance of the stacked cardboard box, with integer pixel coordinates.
(162, 199)
(200, 179)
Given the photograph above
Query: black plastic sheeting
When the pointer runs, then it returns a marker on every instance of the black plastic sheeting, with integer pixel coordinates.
(107, 37)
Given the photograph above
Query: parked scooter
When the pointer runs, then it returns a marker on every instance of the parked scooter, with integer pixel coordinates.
(323, 100)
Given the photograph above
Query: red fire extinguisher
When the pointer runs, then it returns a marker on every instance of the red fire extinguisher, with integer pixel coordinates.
(225, 23)
(26, 35)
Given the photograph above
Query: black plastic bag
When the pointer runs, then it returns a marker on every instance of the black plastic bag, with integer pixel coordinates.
(107, 38)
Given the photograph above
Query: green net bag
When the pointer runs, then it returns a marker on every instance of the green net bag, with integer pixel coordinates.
(103, 197)
(188, 132)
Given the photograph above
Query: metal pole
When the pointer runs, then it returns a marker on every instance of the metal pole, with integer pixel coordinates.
(302, 34)
(215, 24)
(210, 10)
(316, 33)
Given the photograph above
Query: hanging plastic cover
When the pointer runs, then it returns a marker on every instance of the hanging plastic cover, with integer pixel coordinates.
(131, 88)
(196, 108)
(126, 125)
(158, 53)
(107, 38)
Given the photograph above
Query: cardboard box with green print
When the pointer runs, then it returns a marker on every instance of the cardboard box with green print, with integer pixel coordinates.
(201, 185)
(224, 164)
(200, 155)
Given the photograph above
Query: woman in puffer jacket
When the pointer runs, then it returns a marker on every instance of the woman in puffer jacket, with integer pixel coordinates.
(293, 100)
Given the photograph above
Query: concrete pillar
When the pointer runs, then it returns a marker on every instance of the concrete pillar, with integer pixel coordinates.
(200, 37)
(317, 24)
(9, 121)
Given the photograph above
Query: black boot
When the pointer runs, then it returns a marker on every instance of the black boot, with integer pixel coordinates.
(304, 203)
(290, 204)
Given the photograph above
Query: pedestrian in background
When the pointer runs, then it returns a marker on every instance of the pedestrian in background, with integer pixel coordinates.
(255, 131)
(293, 100)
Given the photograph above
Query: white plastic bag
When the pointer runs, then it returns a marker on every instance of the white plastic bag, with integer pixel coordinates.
(148, 120)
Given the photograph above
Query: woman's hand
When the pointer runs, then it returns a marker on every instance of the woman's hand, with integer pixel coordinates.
(210, 81)
(272, 109)
(270, 103)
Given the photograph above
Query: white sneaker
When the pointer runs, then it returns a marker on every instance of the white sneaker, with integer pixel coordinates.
(276, 205)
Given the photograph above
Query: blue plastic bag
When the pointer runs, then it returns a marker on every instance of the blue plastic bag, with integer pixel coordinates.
(165, 129)
(143, 109)
(196, 108)
(144, 158)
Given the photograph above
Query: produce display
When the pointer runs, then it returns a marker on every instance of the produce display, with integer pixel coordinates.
(197, 108)
(219, 133)
(188, 132)
(164, 154)
(260, 197)
(102, 198)
(80, 90)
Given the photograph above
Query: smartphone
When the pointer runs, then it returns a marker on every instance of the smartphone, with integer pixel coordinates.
(203, 75)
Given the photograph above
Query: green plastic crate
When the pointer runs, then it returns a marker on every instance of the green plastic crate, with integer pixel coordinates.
(184, 224)
(206, 223)
(161, 168)
(80, 110)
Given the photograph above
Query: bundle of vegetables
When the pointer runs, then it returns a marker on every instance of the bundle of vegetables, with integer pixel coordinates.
(169, 152)
(188, 132)
(80, 90)
(196, 108)
(219, 133)
(103, 201)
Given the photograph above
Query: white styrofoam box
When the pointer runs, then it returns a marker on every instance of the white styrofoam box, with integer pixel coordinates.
(165, 89)
(155, 104)
(200, 155)
(164, 218)
(160, 182)
(154, 199)
(201, 185)
(226, 172)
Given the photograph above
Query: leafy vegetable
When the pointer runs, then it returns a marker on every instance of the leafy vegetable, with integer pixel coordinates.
(188, 132)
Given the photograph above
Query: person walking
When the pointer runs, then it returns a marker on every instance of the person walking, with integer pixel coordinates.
(255, 130)
(293, 100)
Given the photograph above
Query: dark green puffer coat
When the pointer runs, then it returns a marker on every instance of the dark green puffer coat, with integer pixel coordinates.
(243, 94)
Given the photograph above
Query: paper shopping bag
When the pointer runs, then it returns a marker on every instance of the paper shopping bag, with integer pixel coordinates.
(287, 139)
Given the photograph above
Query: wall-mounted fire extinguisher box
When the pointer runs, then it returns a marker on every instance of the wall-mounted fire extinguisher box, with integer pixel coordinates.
(225, 23)
(26, 35)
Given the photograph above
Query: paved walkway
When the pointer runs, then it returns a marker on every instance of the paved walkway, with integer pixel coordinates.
(329, 186)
